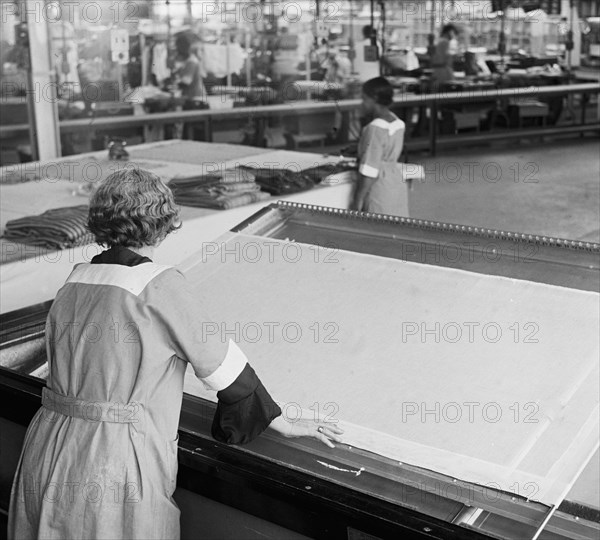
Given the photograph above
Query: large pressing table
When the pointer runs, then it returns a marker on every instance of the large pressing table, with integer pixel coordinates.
(465, 375)
(30, 275)
(417, 356)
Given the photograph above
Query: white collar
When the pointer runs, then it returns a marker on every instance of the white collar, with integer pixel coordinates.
(392, 127)
(131, 278)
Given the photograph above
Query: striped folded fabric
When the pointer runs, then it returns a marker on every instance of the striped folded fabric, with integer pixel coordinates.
(17, 175)
(185, 182)
(224, 202)
(229, 176)
(59, 228)
(237, 187)
(228, 189)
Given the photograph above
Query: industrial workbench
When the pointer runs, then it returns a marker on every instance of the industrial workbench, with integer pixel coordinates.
(31, 275)
(358, 287)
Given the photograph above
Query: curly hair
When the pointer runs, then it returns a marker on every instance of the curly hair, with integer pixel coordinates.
(132, 208)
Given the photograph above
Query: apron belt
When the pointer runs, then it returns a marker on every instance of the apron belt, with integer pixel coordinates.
(92, 411)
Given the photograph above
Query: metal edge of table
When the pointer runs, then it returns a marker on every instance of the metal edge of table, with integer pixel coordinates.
(23, 324)
(422, 224)
(556, 261)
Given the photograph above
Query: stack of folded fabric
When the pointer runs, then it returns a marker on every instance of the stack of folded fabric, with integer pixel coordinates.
(281, 181)
(286, 181)
(222, 191)
(17, 174)
(59, 228)
(327, 171)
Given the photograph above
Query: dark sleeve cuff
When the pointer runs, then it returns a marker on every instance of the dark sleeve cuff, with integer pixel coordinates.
(244, 410)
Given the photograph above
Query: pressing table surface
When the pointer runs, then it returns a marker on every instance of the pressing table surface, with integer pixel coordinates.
(498, 400)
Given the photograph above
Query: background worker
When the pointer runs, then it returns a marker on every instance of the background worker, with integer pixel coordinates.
(443, 57)
(381, 187)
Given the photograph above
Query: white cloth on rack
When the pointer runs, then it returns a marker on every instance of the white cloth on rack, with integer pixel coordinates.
(160, 55)
(412, 61)
(146, 61)
(216, 59)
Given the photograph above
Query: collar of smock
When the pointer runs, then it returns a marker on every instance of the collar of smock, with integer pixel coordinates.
(120, 255)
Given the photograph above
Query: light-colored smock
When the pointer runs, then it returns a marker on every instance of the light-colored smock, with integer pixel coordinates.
(379, 148)
(100, 457)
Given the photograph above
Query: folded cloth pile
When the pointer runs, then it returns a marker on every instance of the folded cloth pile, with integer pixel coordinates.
(281, 181)
(59, 228)
(221, 191)
(286, 181)
(323, 172)
(17, 175)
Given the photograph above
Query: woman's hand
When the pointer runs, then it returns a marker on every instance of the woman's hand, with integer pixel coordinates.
(308, 427)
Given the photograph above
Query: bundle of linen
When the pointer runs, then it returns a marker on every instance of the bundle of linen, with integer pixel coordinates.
(17, 174)
(286, 181)
(332, 173)
(281, 181)
(220, 191)
(59, 228)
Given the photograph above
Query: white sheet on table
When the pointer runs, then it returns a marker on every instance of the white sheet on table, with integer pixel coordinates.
(376, 375)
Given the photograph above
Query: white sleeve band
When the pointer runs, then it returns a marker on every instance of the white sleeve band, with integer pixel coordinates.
(367, 170)
(230, 369)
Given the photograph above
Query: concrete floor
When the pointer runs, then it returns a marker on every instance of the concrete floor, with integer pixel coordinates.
(551, 189)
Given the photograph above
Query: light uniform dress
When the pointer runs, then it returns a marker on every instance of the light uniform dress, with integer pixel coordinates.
(100, 456)
(379, 148)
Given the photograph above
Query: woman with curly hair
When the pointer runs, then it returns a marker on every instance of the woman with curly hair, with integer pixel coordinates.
(100, 456)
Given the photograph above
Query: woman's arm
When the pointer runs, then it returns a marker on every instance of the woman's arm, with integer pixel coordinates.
(244, 408)
(364, 185)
